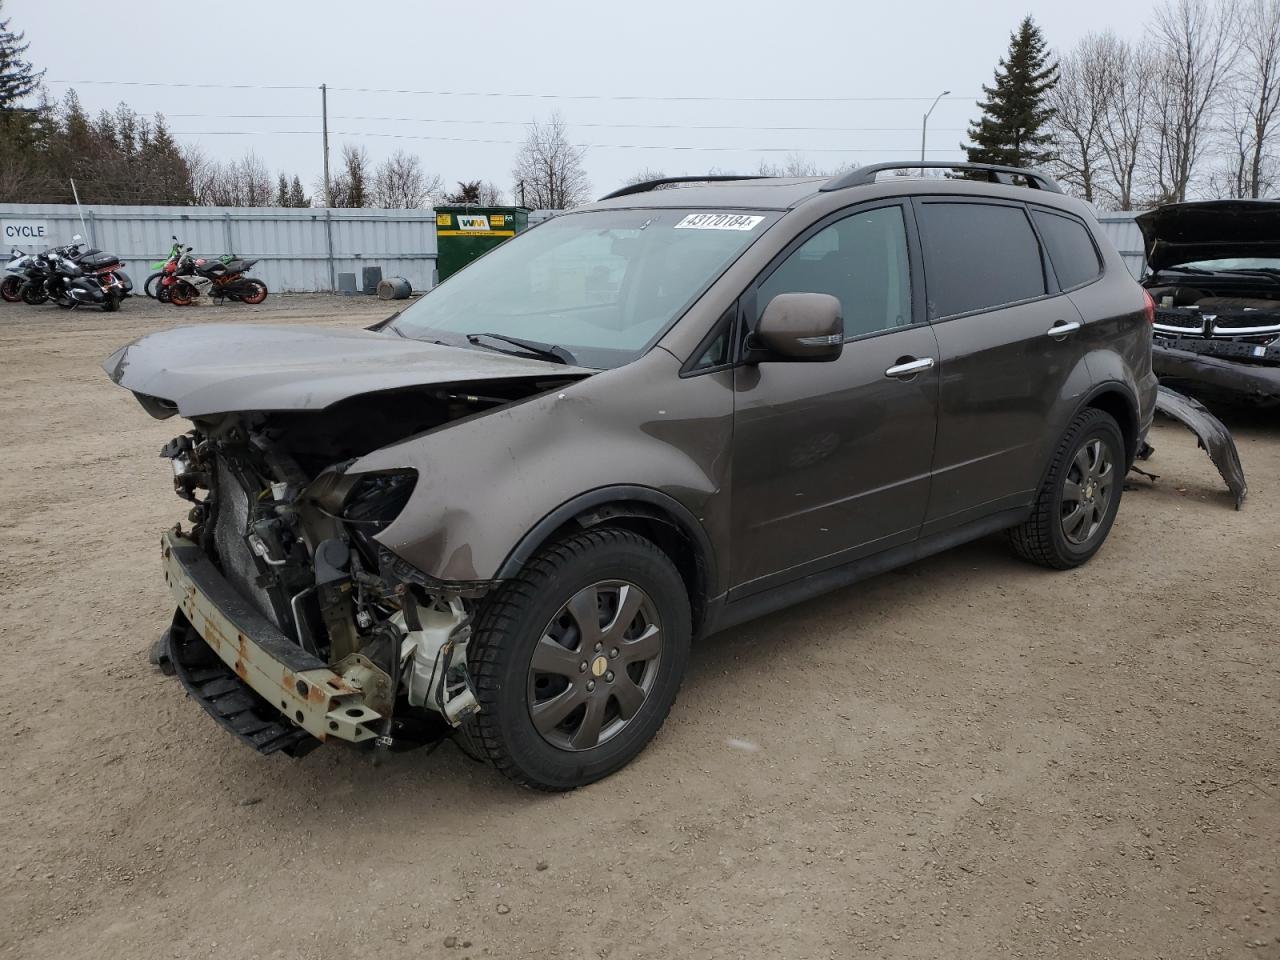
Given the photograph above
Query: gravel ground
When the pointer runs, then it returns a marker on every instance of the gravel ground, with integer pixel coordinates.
(968, 757)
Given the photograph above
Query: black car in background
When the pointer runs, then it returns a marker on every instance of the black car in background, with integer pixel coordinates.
(1214, 273)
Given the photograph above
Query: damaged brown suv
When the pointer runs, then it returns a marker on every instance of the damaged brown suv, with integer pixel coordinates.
(510, 508)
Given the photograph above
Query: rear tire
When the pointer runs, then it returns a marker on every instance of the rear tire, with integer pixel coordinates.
(564, 701)
(181, 294)
(256, 292)
(1080, 496)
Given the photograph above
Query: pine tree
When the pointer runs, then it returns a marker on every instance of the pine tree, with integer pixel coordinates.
(282, 192)
(296, 197)
(18, 80)
(1011, 130)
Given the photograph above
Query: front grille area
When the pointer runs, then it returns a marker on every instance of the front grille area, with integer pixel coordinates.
(230, 528)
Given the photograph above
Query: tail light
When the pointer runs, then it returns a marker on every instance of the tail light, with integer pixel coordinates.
(1150, 307)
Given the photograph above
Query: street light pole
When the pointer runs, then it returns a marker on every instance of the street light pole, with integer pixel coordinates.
(924, 126)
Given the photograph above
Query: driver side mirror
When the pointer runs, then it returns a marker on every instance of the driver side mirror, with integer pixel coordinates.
(798, 326)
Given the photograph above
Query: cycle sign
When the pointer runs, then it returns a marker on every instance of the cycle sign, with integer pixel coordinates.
(25, 231)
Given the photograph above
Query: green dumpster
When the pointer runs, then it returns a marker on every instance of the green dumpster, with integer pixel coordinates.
(464, 233)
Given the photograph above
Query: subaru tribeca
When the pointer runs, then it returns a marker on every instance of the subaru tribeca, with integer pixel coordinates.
(511, 507)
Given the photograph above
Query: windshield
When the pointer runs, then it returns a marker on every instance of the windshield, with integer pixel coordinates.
(1233, 263)
(601, 285)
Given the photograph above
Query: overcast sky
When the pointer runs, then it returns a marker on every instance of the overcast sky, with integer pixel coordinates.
(482, 69)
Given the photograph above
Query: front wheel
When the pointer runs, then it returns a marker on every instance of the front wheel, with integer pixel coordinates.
(578, 659)
(10, 288)
(1080, 496)
(33, 294)
(152, 284)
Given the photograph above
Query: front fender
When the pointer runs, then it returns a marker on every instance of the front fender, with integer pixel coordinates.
(487, 481)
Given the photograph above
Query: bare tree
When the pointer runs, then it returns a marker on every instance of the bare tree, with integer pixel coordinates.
(1255, 96)
(643, 176)
(1127, 127)
(1080, 102)
(795, 165)
(1195, 45)
(491, 195)
(400, 182)
(350, 186)
(548, 169)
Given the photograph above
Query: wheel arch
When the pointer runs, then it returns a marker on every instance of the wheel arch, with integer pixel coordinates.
(649, 512)
(1118, 400)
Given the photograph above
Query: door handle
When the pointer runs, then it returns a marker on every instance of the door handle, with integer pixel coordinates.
(1060, 329)
(909, 368)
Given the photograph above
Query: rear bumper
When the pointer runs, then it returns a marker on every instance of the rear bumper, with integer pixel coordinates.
(295, 683)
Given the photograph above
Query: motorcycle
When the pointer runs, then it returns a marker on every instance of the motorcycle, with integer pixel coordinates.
(223, 279)
(71, 276)
(16, 272)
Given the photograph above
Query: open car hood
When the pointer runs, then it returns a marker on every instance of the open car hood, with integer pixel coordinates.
(224, 368)
(1209, 230)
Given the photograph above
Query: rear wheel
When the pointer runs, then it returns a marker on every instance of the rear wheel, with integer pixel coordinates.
(10, 288)
(254, 291)
(181, 293)
(111, 303)
(578, 659)
(1078, 501)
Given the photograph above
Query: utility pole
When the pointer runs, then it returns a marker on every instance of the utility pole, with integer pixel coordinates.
(923, 126)
(324, 113)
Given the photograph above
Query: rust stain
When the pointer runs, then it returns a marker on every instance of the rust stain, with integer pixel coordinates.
(241, 670)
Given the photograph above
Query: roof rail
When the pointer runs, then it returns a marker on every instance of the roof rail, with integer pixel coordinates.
(648, 185)
(864, 176)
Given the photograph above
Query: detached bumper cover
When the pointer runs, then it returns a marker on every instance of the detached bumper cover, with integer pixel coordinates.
(298, 685)
(1215, 438)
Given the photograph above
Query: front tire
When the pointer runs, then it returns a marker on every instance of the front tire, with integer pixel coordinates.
(182, 293)
(577, 660)
(10, 288)
(152, 284)
(1080, 496)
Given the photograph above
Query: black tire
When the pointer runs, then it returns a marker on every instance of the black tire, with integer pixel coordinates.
(149, 286)
(512, 623)
(10, 288)
(1047, 537)
(33, 295)
(111, 304)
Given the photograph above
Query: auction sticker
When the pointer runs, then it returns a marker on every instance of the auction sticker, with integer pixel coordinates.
(718, 221)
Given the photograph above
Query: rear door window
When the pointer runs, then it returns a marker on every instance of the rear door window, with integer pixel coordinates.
(1070, 248)
(978, 256)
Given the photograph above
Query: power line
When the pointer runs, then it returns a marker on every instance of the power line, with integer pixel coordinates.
(526, 123)
(506, 94)
(590, 146)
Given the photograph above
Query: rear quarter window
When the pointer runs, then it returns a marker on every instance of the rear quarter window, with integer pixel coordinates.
(1070, 248)
(978, 256)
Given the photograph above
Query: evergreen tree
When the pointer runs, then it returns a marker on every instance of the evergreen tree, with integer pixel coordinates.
(18, 81)
(296, 197)
(1011, 130)
(282, 192)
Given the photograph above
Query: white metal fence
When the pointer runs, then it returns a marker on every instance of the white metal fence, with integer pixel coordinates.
(1125, 236)
(299, 249)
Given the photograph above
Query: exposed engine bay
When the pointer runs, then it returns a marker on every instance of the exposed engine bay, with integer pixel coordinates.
(274, 509)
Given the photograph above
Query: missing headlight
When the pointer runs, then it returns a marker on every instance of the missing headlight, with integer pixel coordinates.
(373, 504)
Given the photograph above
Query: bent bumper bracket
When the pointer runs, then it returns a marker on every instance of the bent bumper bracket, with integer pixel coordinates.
(296, 683)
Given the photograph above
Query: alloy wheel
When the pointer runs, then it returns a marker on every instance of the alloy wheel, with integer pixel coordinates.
(1087, 491)
(594, 665)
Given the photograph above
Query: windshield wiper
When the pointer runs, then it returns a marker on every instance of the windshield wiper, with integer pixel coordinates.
(546, 351)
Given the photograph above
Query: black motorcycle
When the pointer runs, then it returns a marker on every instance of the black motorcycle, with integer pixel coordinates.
(71, 277)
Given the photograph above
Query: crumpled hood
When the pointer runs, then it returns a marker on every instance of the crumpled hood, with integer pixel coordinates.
(1209, 230)
(223, 367)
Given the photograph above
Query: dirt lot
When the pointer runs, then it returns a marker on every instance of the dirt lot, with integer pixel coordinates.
(967, 758)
